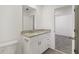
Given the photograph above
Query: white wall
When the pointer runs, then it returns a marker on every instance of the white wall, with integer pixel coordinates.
(64, 24)
(33, 6)
(45, 20)
(10, 22)
(38, 18)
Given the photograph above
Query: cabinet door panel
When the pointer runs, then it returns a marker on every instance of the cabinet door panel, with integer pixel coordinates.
(34, 45)
(44, 43)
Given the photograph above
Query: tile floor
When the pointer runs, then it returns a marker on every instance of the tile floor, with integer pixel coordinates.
(63, 44)
(51, 51)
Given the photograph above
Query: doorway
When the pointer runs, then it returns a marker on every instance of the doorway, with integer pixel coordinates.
(64, 29)
(76, 29)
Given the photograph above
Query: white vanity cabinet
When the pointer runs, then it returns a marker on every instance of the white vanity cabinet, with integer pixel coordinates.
(37, 44)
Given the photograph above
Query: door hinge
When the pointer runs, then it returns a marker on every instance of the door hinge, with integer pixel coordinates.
(74, 10)
(76, 51)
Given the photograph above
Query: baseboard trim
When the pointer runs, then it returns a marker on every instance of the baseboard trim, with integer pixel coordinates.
(66, 36)
(7, 43)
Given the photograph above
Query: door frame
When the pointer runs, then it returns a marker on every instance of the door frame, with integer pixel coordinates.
(73, 14)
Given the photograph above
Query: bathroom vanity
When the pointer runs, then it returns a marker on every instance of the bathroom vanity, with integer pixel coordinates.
(35, 42)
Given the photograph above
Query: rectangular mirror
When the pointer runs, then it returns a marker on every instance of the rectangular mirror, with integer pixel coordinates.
(28, 18)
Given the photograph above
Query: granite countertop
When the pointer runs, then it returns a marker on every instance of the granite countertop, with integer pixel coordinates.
(33, 33)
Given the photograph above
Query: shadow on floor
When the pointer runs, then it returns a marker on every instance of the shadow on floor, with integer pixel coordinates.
(51, 51)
